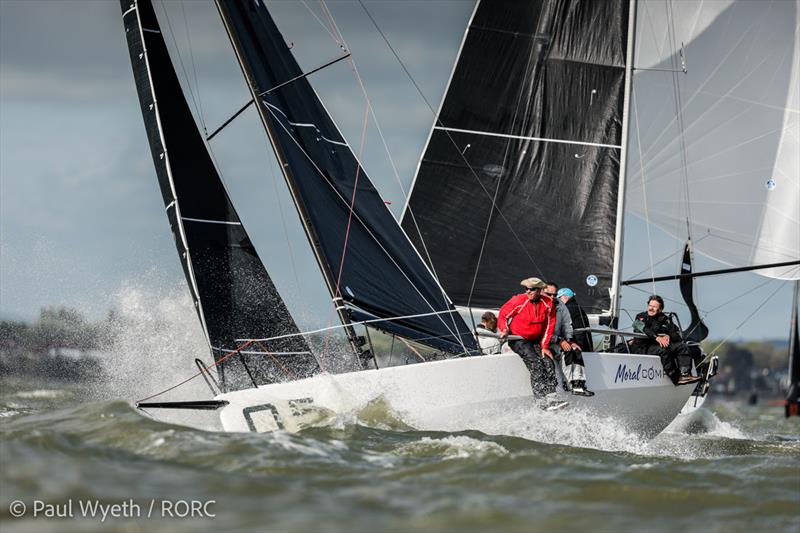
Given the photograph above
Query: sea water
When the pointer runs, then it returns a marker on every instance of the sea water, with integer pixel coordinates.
(78, 457)
(740, 471)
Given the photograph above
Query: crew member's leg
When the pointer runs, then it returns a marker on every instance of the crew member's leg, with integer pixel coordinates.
(548, 382)
(683, 357)
(542, 369)
(573, 361)
(667, 361)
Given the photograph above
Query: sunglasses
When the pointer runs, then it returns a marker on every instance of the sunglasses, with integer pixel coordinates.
(528, 289)
(551, 294)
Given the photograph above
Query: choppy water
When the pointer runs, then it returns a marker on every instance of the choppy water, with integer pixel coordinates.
(738, 470)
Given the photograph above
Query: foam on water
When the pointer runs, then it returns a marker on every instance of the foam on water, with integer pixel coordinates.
(49, 394)
(704, 422)
(156, 337)
(453, 447)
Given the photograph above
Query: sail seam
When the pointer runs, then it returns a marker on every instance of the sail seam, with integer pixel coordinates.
(525, 138)
(212, 221)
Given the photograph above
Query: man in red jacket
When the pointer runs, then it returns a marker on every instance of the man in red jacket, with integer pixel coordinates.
(532, 316)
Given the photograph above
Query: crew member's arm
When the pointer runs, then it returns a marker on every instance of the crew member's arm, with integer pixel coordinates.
(502, 317)
(567, 343)
(662, 327)
(550, 326)
(650, 325)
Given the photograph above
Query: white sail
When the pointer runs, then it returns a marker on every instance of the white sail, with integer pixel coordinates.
(726, 166)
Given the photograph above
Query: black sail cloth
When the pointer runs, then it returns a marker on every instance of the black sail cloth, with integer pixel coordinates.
(531, 124)
(232, 292)
(373, 265)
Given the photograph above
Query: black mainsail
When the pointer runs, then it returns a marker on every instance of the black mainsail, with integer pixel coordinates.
(232, 292)
(521, 173)
(369, 264)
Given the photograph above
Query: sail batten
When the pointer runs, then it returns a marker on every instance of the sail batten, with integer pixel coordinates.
(233, 295)
(520, 175)
(523, 138)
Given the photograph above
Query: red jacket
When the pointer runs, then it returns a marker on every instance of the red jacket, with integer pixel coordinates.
(534, 321)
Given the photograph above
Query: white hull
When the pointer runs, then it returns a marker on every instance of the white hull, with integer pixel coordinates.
(454, 394)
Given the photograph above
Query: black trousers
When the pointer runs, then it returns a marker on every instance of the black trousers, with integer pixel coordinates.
(675, 358)
(542, 369)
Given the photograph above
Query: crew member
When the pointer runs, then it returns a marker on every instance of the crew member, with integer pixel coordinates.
(533, 317)
(486, 332)
(563, 344)
(663, 339)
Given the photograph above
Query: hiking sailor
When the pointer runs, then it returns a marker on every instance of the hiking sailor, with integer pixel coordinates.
(563, 344)
(486, 332)
(663, 339)
(533, 317)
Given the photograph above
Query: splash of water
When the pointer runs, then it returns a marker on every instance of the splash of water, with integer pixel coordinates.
(154, 337)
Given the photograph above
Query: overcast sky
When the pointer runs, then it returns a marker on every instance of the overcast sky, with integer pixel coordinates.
(81, 216)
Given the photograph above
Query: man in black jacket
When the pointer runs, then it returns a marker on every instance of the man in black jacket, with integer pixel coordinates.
(579, 319)
(663, 339)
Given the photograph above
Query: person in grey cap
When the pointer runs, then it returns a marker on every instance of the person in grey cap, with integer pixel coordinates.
(533, 317)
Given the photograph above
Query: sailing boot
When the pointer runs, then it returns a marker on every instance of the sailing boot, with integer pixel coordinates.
(688, 378)
(552, 403)
(579, 388)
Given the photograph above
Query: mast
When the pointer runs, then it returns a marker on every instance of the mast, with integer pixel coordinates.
(620, 230)
(233, 294)
(526, 144)
(793, 394)
(302, 210)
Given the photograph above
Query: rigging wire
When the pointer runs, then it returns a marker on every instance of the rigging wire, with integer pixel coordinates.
(358, 218)
(664, 259)
(183, 67)
(321, 23)
(284, 226)
(194, 67)
(676, 87)
(339, 38)
(768, 281)
(742, 323)
(664, 149)
(455, 145)
(710, 76)
(644, 188)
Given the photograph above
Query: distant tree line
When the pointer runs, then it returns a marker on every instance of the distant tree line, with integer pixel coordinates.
(61, 343)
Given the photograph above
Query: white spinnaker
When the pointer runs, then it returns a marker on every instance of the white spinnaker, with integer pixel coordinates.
(739, 106)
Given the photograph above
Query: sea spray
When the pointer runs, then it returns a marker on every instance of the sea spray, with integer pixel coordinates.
(156, 337)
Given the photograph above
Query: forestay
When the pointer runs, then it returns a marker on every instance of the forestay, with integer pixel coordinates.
(520, 175)
(232, 292)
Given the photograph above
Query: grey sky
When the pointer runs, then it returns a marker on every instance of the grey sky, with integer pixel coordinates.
(80, 212)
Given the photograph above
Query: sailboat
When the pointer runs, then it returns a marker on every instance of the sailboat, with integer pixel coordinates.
(528, 155)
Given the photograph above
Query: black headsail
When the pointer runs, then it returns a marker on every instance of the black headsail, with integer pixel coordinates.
(232, 292)
(520, 176)
(367, 260)
(697, 330)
